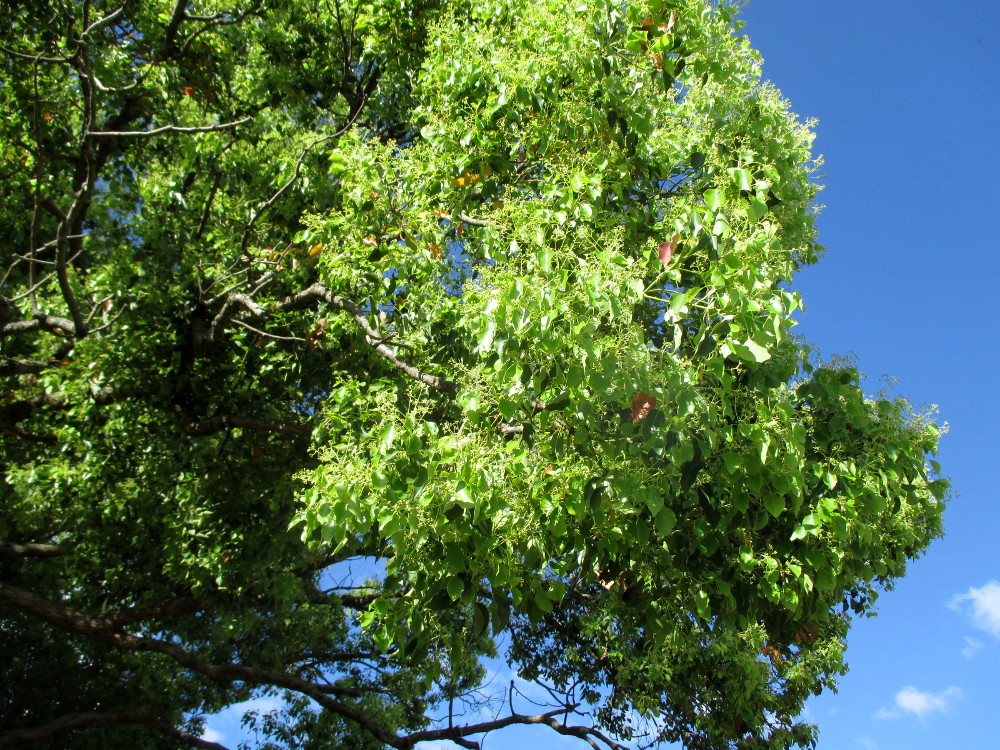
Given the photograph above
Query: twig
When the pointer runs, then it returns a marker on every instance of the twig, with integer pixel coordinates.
(101, 21)
(166, 129)
(266, 334)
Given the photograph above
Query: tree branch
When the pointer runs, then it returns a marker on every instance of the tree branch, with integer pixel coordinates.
(473, 222)
(102, 629)
(39, 321)
(456, 734)
(14, 551)
(23, 366)
(166, 129)
(227, 313)
(312, 296)
(376, 340)
(15, 738)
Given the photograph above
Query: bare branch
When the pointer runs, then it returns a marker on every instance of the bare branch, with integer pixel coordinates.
(20, 737)
(101, 21)
(23, 366)
(266, 205)
(33, 58)
(456, 734)
(40, 321)
(227, 313)
(218, 19)
(14, 551)
(100, 629)
(166, 129)
(265, 334)
(473, 222)
(312, 296)
(376, 340)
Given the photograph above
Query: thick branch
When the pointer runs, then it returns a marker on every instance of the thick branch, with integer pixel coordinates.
(228, 313)
(473, 222)
(39, 322)
(376, 340)
(312, 296)
(100, 629)
(23, 366)
(14, 551)
(456, 734)
(19, 737)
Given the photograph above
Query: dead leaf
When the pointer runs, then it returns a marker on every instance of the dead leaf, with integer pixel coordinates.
(666, 249)
(642, 404)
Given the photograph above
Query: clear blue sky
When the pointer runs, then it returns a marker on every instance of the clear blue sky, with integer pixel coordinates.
(908, 100)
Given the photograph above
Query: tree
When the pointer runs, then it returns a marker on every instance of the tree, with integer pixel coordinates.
(347, 346)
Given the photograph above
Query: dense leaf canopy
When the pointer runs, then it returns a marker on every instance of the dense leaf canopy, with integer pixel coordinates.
(388, 358)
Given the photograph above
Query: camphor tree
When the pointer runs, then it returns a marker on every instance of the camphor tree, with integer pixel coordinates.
(385, 358)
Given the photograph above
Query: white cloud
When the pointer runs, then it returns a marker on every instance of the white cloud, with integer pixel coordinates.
(918, 702)
(971, 647)
(210, 735)
(263, 705)
(227, 724)
(867, 743)
(983, 605)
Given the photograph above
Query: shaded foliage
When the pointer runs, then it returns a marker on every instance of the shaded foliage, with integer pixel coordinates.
(346, 345)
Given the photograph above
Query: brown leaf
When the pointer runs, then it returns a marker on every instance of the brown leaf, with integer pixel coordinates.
(642, 404)
(370, 241)
(435, 250)
(666, 249)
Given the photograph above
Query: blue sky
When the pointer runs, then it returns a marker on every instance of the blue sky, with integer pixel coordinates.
(908, 101)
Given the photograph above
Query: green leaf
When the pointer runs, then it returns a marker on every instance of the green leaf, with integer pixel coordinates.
(775, 504)
(714, 199)
(733, 462)
(758, 208)
(740, 177)
(456, 587)
(665, 521)
(338, 162)
(757, 352)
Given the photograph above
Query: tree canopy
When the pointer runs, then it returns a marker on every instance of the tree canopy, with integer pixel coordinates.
(389, 358)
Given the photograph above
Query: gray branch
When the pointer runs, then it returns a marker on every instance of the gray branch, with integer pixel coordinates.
(166, 129)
